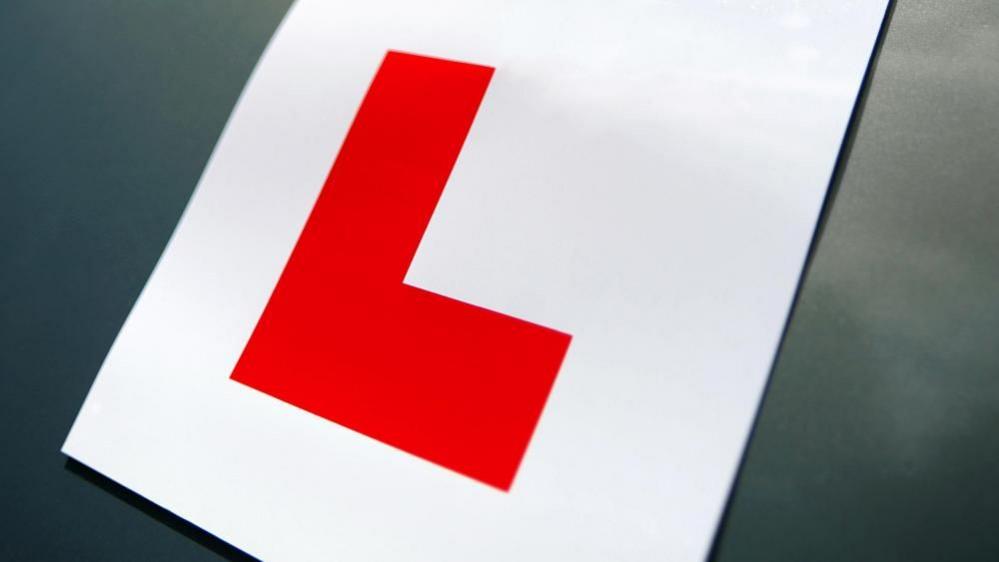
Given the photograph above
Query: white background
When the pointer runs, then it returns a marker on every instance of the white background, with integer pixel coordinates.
(643, 175)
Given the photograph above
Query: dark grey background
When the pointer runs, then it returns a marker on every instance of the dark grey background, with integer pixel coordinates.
(879, 436)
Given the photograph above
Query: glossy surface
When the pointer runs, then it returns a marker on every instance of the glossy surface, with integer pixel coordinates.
(878, 440)
(131, 99)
